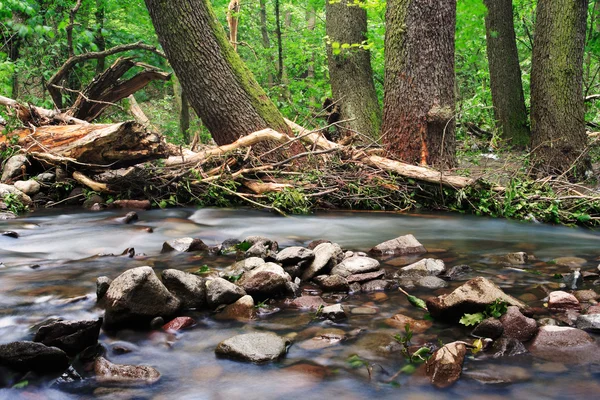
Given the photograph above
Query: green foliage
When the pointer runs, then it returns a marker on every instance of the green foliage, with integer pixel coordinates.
(417, 357)
(205, 269)
(290, 200)
(495, 310)
(14, 204)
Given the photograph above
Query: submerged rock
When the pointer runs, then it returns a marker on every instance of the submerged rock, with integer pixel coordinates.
(190, 289)
(518, 326)
(508, 347)
(327, 255)
(136, 297)
(355, 265)
(267, 280)
(220, 291)
(32, 356)
(107, 372)
(431, 282)
(499, 374)
(401, 245)
(400, 321)
(424, 267)
(307, 302)
(187, 244)
(565, 344)
(445, 365)
(471, 297)
(518, 258)
(255, 347)
(334, 312)
(70, 336)
(178, 324)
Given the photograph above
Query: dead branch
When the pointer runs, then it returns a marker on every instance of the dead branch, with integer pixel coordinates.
(24, 113)
(266, 187)
(95, 186)
(139, 115)
(592, 97)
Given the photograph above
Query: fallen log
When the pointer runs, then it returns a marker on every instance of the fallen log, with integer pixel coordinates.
(37, 116)
(117, 145)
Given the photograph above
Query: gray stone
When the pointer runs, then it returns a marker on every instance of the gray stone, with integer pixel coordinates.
(565, 344)
(498, 374)
(294, 255)
(187, 244)
(445, 365)
(220, 291)
(31, 356)
(13, 166)
(70, 336)
(332, 283)
(431, 282)
(586, 295)
(571, 262)
(255, 347)
(46, 177)
(401, 245)
(355, 288)
(355, 265)
(377, 285)
(457, 272)
(261, 247)
(488, 328)
(518, 258)
(424, 267)
(327, 255)
(562, 301)
(334, 312)
(518, 326)
(307, 303)
(508, 347)
(102, 285)
(267, 280)
(589, 322)
(369, 276)
(8, 189)
(190, 289)
(472, 297)
(237, 269)
(5, 215)
(136, 297)
(29, 187)
(107, 372)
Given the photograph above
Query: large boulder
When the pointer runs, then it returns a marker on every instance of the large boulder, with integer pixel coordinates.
(445, 365)
(13, 167)
(424, 267)
(255, 347)
(565, 344)
(107, 372)
(355, 265)
(472, 297)
(518, 326)
(267, 280)
(70, 336)
(294, 255)
(136, 297)
(220, 291)
(327, 255)
(402, 245)
(31, 356)
(190, 289)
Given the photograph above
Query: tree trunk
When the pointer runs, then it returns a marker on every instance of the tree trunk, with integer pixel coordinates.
(557, 108)
(350, 69)
(266, 42)
(98, 36)
(419, 102)
(505, 73)
(279, 43)
(219, 86)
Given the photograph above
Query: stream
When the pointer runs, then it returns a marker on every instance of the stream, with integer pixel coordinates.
(50, 271)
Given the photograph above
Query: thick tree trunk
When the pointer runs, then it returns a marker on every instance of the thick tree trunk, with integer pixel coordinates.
(505, 73)
(558, 136)
(419, 103)
(350, 69)
(219, 86)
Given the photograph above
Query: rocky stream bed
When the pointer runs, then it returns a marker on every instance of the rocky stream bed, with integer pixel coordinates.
(243, 304)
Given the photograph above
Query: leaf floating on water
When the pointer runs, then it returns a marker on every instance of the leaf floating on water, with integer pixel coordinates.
(477, 346)
(414, 300)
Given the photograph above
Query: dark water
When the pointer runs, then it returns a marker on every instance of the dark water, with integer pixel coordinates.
(50, 271)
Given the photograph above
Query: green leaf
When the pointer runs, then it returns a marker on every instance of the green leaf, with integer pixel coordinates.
(472, 319)
(21, 385)
(244, 246)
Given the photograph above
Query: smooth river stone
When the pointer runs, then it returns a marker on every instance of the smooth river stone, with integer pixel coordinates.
(255, 347)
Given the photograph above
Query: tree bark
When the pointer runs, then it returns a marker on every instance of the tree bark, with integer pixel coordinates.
(558, 137)
(98, 36)
(419, 101)
(505, 73)
(350, 69)
(219, 86)
(266, 42)
(279, 43)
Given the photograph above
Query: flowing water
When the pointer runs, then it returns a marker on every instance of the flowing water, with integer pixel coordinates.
(51, 269)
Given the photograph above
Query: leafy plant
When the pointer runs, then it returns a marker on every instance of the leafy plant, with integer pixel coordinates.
(202, 270)
(419, 356)
(495, 310)
(14, 203)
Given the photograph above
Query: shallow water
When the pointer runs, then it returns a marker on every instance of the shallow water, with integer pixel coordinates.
(50, 271)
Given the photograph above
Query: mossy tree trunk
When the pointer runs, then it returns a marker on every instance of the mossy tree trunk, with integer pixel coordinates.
(505, 73)
(419, 101)
(558, 137)
(219, 86)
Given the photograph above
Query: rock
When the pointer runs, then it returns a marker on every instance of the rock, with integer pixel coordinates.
(499, 374)
(261, 247)
(518, 258)
(308, 303)
(399, 321)
(178, 324)
(11, 234)
(327, 255)
(129, 218)
(457, 272)
(332, 283)
(561, 301)
(378, 285)
(369, 276)
(586, 295)
(187, 244)
(363, 311)
(94, 202)
(355, 288)
(424, 267)
(237, 269)
(267, 280)
(355, 265)
(190, 289)
(132, 204)
(489, 328)
(31, 356)
(445, 365)
(508, 347)
(46, 177)
(242, 310)
(8, 189)
(102, 285)
(313, 245)
(255, 347)
(107, 372)
(13, 167)
(401, 245)
(335, 312)
(293, 289)
(589, 322)
(5, 215)
(471, 297)
(136, 297)
(564, 344)
(220, 291)
(323, 339)
(29, 187)
(70, 336)
(431, 282)
(230, 246)
(571, 262)
(294, 255)
(518, 326)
